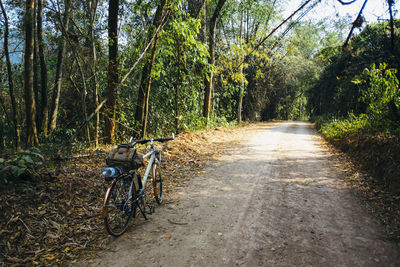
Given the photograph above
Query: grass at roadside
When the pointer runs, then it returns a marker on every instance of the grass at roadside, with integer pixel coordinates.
(373, 145)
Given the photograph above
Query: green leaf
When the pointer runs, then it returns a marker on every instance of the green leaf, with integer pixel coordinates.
(51, 165)
(21, 163)
(37, 155)
(17, 171)
(28, 159)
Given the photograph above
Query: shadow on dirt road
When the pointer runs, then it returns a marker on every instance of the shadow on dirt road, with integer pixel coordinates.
(274, 199)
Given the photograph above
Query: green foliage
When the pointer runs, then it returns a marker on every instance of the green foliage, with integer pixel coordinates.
(337, 129)
(273, 80)
(175, 102)
(25, 163)
(378, 87)
(383, 88)
(334, 92)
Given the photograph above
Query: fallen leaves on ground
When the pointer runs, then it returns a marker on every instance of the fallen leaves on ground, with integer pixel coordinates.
(377, 199)
(57, 219)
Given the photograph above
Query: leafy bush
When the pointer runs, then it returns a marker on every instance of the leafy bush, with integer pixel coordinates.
(25, 164)
(364, 124)
(383, 88)
(334, 92)
(337, 129)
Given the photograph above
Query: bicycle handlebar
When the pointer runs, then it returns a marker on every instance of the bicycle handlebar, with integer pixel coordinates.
(144, 141)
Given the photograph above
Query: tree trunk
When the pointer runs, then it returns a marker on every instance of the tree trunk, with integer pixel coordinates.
(177, 84)
(44, 109)
(36, 87)
(390, 3)
(211, 48)
(82, 92)
(145, 82)
(92, 9)
(124, 78)
(31, 131)
(10, 78)
(59, 70)
(147, 87)
(239, 115)
(113, 75)
(2, 124)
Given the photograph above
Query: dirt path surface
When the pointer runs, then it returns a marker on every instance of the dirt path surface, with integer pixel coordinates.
(274, 199)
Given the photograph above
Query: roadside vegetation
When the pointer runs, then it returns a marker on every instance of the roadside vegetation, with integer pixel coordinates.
(80, 76)
(359, 113)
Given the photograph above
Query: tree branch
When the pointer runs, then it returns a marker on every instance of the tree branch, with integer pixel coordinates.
(165, 19)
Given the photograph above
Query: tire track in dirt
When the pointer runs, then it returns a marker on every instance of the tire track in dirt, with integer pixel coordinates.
(275, 199)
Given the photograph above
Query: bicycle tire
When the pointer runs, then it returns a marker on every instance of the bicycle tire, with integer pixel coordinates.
(157, 182)
(118, 210)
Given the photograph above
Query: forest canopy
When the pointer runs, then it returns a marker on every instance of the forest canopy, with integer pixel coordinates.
(101, 71)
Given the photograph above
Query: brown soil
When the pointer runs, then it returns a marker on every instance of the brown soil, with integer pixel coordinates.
(278, 197)
(268, 194)
(55, 218)
(374, 164)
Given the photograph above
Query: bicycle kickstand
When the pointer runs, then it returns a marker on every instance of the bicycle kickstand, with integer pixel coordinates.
(143, 212)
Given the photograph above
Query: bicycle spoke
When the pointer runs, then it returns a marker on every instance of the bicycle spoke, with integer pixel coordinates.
(118, 207)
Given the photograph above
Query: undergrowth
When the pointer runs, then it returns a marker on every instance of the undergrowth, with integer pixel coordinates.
(373, 141)
(336, 129)
(373, 145)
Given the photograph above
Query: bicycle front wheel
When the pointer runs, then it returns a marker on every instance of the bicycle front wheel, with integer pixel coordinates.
(157, 182)
(118, 207)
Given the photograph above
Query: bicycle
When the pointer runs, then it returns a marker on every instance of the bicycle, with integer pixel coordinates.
(125, 196)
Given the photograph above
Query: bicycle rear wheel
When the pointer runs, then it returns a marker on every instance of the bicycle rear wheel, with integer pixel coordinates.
(118, 207)
(157, 182)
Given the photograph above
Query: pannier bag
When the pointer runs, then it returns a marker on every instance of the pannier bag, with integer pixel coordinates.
(125, 156)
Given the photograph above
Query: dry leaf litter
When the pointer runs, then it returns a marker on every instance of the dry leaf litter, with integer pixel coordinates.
(57, 219)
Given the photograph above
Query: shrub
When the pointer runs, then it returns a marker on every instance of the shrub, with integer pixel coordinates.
(23, 164)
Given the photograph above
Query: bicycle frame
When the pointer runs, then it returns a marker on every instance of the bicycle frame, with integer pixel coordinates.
(152, 154)
(127, 191)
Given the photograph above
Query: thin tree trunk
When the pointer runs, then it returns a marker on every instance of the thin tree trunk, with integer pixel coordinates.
(83, 93)
(211, 48)
(31, 131)
(239, 117)
(59, 70)
(145, 82)
(36, 87)
(203, 30)
(113, 73)
(391, 2)
(10, 79)
(44, 109)
(354, 25)
(124, 78)
(2, 125)
(92, 9)
(177, 85)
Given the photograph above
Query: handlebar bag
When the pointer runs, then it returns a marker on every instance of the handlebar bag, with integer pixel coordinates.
(125, 156)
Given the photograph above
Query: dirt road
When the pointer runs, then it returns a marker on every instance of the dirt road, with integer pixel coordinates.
(275, 199)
